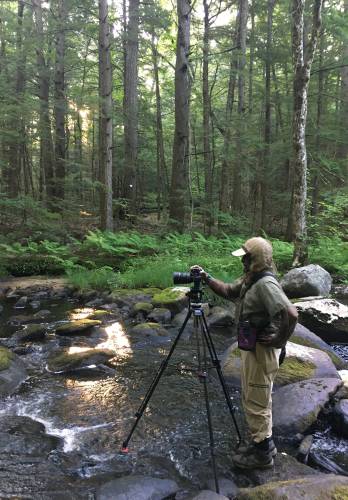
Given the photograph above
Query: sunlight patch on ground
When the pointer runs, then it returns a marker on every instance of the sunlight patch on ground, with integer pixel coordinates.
(82, 313)
(116, 338)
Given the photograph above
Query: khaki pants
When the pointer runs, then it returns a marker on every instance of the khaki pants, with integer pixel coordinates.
(258, 372)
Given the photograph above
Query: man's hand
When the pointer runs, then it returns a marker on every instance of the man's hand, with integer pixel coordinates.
(202, 273)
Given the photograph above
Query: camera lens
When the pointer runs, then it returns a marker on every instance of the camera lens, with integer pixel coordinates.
(182, 278)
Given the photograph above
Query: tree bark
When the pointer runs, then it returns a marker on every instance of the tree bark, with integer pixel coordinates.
(59, 110)
(179, 180)
(302, 66)
(105, 118)
(343, 150)
(130, 106)
(45, 133)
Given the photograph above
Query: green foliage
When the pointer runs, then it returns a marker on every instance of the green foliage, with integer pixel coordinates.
(96, 279)
(332, 219)
(332, 255)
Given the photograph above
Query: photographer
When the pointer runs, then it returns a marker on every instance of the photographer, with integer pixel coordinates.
(265, 319)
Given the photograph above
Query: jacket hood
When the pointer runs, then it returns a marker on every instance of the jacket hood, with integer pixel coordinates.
(261, 253)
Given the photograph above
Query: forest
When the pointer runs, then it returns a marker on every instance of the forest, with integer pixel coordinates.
(198, 122)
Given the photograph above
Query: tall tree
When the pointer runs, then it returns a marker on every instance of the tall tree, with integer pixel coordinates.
(46, 143)
(130, 105)
(105, 118)
(302, 66)
(179, 180)
(60, 100)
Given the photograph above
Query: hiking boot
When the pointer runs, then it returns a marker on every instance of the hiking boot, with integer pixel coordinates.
(267, 445)
(257, 459)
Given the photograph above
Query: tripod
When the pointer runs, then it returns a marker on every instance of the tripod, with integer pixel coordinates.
(205, 346)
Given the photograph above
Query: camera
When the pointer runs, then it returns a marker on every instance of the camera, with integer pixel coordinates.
(185, 278)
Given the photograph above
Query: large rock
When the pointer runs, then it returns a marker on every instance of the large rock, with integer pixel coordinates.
(340, 418)
(209, 495)
(318, 487)
(76, 326)
(296, 406)
(160, 315)
(305, 337)
(12, 372)
(327, 318)
(137, 488)
(65, 361)
(221, 317)
(128, 297)
(31, 333)
(306, 281)
(149, 330)
(174, 298)
(301, 363)
(23, 435)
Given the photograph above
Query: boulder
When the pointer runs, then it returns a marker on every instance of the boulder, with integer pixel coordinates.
(305, 337)
(12, 372)
(160, 315)
(42, 314)
(150, 330)
(174, 298)
(306, 281)
(129, 297)
(209, 495)
(178, 321)
(142, 307)
(221, 317)
(301, 363)
(137, 487)
(320, 486)
(296, 406)
(226, 487)
(340, 418)
(20, 435)
(327, 318)
(95, 302)
(31, 333)
(65, 361)
(76, 326)
(21, 303)
(35, 304)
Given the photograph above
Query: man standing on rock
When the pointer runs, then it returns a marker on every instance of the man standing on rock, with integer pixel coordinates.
(265, 320)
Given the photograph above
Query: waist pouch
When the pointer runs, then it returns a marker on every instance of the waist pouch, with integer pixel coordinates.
(246, 336)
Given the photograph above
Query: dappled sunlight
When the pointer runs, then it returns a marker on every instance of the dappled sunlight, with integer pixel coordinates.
(76, 349)
(116, 338)
(82, 313)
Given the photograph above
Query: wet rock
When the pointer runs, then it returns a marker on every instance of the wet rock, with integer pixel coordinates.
(64, 361)
(113, 307)
(319, 460)
(178, 321)
(296, 406)
(209, 495)
(99, 314)
(221, 317)
(76, 326)
(327, 318)
(150, 330)
(143, 308)
(305, 337)
(31, 333)
(24, 435)
(226, 487)
(306, 281)
(160, 315)
(301, 363)
(340, 418)
(21, 303)
(42, 314)
(95, 302)
(309, 488)
(41, 295)
(12, 372)
(1, 308)
(35, 304)
(12, 294)
(20, 319)
(174, 299)
(137, 487)
(304, 449)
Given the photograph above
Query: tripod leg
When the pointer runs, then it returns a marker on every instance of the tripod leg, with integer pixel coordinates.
(216, 363)
(153, 384)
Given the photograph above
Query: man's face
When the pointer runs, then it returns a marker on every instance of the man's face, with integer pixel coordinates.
(246, 261)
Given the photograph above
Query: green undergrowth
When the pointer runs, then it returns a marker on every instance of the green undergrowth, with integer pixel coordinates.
(106, 260)
(6, 357)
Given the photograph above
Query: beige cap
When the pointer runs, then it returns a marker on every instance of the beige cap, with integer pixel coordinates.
(239, 253)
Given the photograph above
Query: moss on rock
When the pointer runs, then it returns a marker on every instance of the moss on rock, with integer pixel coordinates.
(6, 357)
(76, 326)
(340, 493)
(64, 361)
(337, 361)
(173, 298)
(145, 307)
(295, 369)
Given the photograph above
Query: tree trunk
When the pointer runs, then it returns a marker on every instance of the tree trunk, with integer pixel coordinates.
(251, 59)
(208, 173)
(105, 118)
(343, 150)
(179, 181)
(45, 133)
(130, 106)
(302, 66)
(60, 101)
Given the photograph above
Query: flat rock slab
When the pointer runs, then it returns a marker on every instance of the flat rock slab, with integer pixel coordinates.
(137, 488)
(77, 326)
(320, 486)
(296, 406)
(63, 361)
(327, 318)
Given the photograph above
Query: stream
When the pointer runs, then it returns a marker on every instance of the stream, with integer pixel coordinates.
(92, 411)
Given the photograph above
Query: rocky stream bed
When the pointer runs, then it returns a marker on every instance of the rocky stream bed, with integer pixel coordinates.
(74, 369)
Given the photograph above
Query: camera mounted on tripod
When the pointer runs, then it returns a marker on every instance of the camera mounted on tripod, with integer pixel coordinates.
(194, 276)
